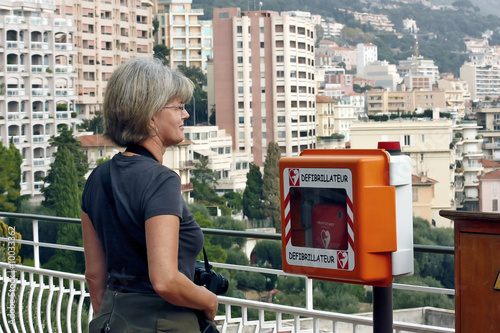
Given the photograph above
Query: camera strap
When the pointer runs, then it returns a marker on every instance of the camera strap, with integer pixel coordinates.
(205, 257)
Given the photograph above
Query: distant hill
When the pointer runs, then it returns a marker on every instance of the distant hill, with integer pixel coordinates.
(441, 31)
(486, 6)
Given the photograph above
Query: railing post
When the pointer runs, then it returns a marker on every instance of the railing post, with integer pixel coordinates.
(309, 294)
(36, 247)
(382, 309)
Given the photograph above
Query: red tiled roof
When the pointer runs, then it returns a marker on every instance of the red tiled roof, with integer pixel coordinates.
(324, 99)
(488, 163)
(95, 140)
(491, 175)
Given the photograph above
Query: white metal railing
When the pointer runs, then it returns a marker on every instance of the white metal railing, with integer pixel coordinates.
(50, 301)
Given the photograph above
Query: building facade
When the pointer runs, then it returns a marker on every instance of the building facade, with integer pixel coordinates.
(264, 69)
(428, 145)
(365, 54)
(468, 165)
(404, 101)
(489, 185)
(37, 84)
(107, 34)
(483, 81)
(181, 30)
(214, 144)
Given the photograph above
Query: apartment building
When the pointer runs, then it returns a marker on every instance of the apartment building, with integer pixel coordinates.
(365, 54)
(37, 84)
(383, 73)
(483, 81)
(107, 34)
(468, 165)
(404, 101)
(264, 70)
(488, 118)
(423, 196)
(230, 167)
(324, 116)
(96, 148)
(181, 30)
(419, 67)
(428, 145)
(345, 115)
(456, 94)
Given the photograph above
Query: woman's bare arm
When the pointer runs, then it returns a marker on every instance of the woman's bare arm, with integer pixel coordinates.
(162, 239)
(95, 263)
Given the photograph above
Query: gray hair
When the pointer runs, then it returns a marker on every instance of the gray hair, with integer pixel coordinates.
(137, 90)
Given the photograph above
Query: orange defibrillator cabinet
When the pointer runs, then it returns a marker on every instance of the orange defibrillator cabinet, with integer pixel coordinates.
(339, 215)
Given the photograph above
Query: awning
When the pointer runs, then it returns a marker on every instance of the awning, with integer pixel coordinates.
(205, 152)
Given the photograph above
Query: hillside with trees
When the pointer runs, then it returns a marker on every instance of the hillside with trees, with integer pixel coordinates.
(440, 36)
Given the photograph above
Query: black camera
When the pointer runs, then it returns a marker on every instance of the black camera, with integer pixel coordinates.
(205, 276)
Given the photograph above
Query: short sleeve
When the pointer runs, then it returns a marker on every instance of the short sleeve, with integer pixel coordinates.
(163, 196)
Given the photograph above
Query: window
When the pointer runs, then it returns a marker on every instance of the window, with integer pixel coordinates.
(280, 58)
(239, 29)
(494, 205)
(240, 90)
(279, 43)
(293, 59)
(221, 150)
(279, 28)
(407, 140)
(280, 74)
(240, 60)
(239, 44)
(238, 166)
(281, 134)
(414, 194)
(280, 89)
(241, 120)
(261, 45)
(281, 119)
(228, 150)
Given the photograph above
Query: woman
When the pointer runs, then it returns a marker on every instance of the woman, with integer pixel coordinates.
(140, 240)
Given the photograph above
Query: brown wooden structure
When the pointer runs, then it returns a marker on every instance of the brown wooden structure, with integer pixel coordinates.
(477, 271)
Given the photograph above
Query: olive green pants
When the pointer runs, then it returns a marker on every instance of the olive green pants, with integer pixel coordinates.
(137, 312)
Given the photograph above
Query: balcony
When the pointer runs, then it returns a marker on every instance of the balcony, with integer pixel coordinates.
(59, 301)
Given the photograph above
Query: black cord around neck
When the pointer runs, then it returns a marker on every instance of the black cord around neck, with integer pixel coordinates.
(140, 150)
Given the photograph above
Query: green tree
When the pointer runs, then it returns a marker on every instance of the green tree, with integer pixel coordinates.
(63, 194)
(252, 196)
(10, 178)
(233, 200)
(228, 223)
(214, 252)
(204, 180)
(271, 185)
(198, 106)
(160, 51)
(268, 254)
(94, 125)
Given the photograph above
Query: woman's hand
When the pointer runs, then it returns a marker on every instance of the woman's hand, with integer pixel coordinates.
(211, 312)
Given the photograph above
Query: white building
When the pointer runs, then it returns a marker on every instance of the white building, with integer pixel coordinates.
(468, 165)
(365, 54)
(37, 84)
(482, 81)
(428, 145)
(383, 73)
(181, 30)
(419, 66)
(213, 143)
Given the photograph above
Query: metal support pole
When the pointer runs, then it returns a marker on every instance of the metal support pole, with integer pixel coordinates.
(382, 309)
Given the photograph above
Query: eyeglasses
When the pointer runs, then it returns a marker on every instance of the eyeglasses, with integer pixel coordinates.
(177, 107)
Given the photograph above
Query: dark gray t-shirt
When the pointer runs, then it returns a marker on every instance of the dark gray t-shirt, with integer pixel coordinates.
(141, 188)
